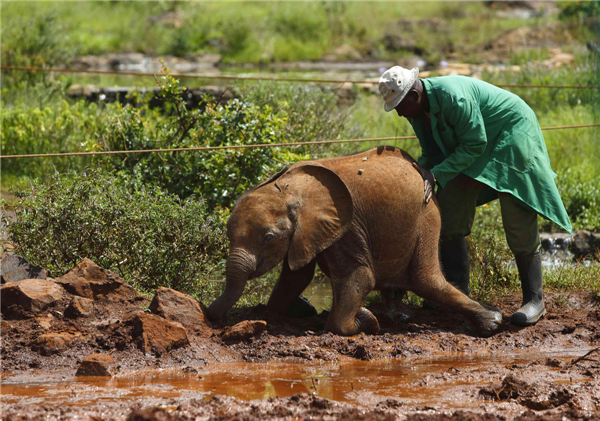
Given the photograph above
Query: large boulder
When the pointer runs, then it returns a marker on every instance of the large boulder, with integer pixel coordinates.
(89, 280)
(15, 268)
(28, 297)
(157, 335)
(96, 365)
(176, 306)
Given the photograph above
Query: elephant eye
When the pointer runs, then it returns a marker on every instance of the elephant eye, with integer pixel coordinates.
(268, 238)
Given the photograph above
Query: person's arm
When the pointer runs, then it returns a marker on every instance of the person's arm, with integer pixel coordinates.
(467, 121)
(428, 182)
(424, 161)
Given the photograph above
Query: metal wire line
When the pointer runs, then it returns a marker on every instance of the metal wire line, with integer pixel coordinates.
(262, 78)
(262, 145)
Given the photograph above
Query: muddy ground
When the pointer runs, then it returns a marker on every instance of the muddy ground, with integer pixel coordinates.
(423, 365)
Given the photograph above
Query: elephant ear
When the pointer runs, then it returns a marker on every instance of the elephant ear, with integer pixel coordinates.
(321, 207)
(273, 177)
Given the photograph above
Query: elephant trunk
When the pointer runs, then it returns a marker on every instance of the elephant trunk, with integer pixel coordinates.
(240, 264)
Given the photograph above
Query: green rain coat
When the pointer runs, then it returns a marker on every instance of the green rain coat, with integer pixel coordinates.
(492, 136)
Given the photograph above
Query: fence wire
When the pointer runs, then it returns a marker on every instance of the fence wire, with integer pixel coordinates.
(263, 78)
(262, 145)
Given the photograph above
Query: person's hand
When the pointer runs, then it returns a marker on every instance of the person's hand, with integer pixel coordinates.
(428, 180)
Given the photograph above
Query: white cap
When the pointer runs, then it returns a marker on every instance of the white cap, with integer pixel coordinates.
(395, 83)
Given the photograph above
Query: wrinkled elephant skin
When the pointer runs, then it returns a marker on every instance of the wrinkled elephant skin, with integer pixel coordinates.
(362, 219)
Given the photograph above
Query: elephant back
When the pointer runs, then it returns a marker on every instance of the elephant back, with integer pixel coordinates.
(381, 176)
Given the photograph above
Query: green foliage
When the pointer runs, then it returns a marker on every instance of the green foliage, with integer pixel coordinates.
(581, 199)
(261, 32)
(491, 274)
(579, 9)
(38, 41)
(62, 127)
(219, 176)
(312, 114)
(144, 234)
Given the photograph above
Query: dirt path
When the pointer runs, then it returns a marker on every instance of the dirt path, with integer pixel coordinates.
(422, 365)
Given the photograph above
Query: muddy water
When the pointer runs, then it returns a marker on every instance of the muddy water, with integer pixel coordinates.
(356, 382)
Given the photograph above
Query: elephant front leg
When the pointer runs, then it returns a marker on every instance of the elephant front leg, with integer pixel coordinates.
(347, 316)
(285, 298)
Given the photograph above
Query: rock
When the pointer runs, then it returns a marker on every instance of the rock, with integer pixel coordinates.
(5, 326)
(157, 335)
(244, 331)
(89, 280)
(150, 414)
(45, 321)
(79, 307)
(178, 307)
(555, 241)
(52, 343)
(584, 243)
(28, 297)
(95, 365)
(15, 268)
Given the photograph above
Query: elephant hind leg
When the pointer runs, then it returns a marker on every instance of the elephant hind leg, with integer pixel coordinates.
(429, 283)
(347, 316)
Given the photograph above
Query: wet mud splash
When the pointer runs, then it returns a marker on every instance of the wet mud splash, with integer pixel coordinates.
(421, 381)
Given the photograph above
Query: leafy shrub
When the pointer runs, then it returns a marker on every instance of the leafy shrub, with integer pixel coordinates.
(578, 9)
(581, 199)
(63, 127)
(38, 41)
(312, 113)
(147, 236)
(219, 176)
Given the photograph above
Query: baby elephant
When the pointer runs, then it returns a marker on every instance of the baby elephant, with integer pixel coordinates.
(362, 219)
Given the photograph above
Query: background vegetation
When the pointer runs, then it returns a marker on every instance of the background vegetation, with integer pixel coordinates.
(158, 219)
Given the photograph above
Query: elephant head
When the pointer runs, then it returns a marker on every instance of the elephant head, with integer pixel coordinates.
(297, 213)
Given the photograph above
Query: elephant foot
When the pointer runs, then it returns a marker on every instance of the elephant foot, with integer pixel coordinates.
(364, 321)
(488, 321)
(367, 322)
(300, 307)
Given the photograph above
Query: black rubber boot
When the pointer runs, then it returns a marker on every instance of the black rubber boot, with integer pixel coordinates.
(530, 271)
(454, 257)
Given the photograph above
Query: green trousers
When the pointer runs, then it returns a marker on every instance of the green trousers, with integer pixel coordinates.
(458, 200)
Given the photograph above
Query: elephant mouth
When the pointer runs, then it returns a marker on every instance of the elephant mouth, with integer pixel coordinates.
(265, 264)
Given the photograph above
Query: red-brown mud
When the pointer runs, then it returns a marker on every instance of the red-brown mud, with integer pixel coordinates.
(423, 365)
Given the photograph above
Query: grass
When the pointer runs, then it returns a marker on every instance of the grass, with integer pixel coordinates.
(259, 32)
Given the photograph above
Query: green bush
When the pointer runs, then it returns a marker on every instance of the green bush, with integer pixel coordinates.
(147, 236)
(37, 41)
(581, 199)
(62, 127)
(578, 9)
(219, 176)
(312, 114)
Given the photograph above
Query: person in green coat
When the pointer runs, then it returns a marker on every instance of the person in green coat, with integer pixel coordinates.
(480, 143)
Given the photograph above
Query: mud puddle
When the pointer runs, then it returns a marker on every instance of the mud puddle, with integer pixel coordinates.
(419, 381)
